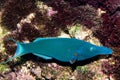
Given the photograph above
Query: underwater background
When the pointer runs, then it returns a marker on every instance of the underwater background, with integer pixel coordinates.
(95, 21)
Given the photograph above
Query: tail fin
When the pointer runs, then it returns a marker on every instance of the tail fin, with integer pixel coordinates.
(11, 40)
(9, 59)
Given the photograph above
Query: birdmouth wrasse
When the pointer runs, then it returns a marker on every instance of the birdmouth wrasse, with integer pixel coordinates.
(62, 49)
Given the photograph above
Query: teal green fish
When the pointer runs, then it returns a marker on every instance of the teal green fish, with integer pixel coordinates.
(62, 49)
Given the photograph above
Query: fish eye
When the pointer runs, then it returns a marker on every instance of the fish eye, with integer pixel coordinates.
(92, 48)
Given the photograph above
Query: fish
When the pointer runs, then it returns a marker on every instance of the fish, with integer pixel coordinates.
(62, 49)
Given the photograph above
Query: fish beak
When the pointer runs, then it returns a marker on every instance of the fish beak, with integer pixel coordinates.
(105, 50)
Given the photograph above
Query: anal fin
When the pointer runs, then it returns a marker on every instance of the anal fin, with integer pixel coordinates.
(42, 56)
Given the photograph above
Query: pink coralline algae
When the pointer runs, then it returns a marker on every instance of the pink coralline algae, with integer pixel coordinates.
(51, 12)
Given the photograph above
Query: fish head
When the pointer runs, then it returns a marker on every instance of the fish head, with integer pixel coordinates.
(101, 50)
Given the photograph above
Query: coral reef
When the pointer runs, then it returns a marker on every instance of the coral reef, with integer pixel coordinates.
(68, 12)
(25, 20)
(110, 31)
(111, 68)
(13, 14)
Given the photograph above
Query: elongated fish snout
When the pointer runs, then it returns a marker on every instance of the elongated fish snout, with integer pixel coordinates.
(105, 50)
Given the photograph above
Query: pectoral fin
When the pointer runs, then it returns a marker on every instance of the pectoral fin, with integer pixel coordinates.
(74, 58)
(42, 56)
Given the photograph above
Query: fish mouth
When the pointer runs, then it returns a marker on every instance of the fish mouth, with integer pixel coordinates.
(107, 50)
